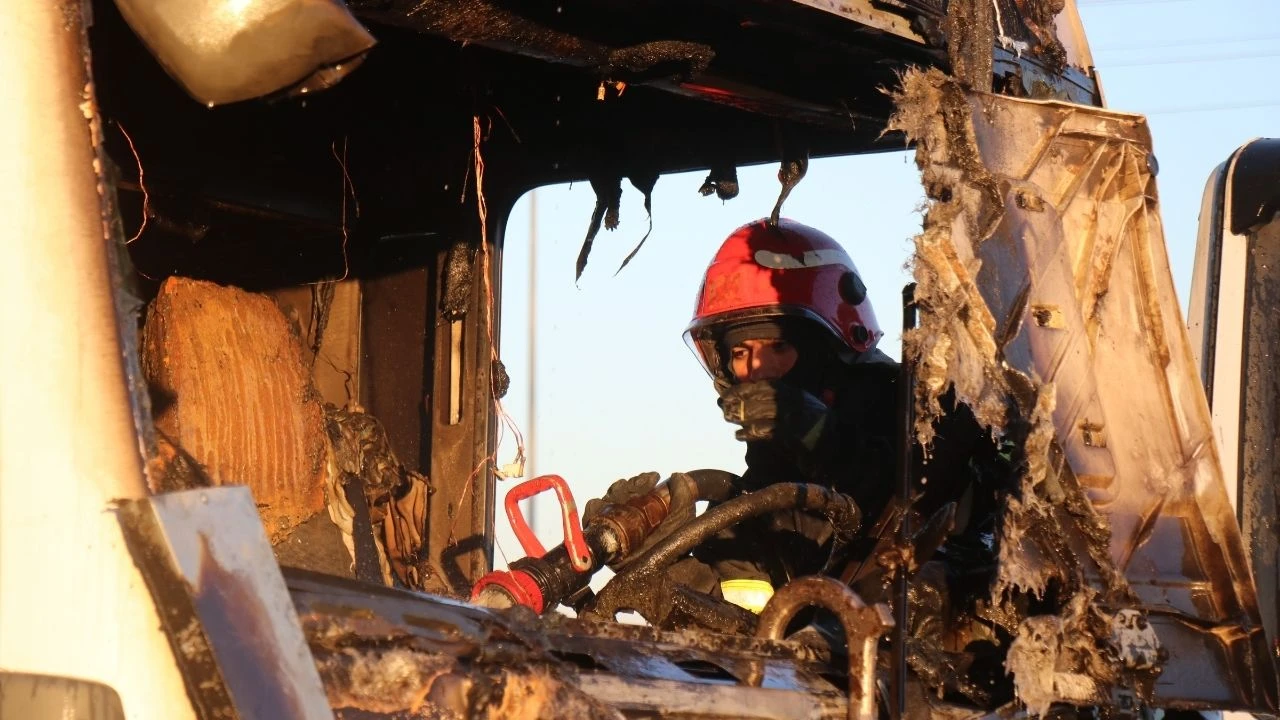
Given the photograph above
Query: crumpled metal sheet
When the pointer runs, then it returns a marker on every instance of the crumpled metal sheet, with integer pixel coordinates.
(1047, 303)
(224, 51)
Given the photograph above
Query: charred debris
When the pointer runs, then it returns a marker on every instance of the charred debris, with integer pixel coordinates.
(329, 260)
(1041, 245)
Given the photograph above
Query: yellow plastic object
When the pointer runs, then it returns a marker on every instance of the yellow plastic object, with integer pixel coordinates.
(749, 594)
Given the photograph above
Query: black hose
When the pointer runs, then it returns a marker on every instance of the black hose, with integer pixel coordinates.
(715, 486)
(839, 508)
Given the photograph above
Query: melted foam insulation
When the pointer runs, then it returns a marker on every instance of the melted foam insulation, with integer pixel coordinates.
(234, 391)
(1046, 301)
(397, 676)
(1054, 658)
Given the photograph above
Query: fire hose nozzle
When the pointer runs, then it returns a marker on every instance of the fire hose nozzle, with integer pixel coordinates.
(574, 542)
(502, 589)
(545, 578)
(541, 578)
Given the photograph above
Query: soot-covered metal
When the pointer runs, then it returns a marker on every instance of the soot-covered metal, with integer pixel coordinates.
(1121, 571)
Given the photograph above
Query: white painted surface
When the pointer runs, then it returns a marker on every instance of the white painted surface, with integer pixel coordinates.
(72, 604)
(1229, 335)
(221, 526)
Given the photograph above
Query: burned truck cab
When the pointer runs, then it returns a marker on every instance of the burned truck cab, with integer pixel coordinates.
(373, 212)
(267, 404)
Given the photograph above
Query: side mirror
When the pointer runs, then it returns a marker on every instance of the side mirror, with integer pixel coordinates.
(223, 51)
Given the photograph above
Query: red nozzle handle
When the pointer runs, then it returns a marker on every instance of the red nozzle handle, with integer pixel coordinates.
(574, 542)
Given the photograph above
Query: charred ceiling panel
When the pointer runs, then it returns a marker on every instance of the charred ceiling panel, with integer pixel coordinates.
(1047, 303)
(1260, 496)
(402, 124)
(564, 90)
(710, 51)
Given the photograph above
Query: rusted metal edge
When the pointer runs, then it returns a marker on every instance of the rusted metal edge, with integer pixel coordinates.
(226, 611)
(204, 681)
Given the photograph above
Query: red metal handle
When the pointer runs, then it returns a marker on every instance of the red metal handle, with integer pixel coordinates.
(574, 542)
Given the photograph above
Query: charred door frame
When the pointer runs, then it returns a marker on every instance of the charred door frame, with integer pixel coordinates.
(462, 452)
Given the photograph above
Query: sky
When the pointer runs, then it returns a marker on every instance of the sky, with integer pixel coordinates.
(615, 391)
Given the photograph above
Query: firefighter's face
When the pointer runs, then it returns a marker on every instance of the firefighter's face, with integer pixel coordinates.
(752, 360)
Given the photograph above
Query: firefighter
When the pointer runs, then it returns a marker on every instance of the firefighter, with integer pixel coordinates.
(785, 329)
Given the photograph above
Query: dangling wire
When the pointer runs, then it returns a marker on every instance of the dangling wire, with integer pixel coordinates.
(348, 189)
(146, 197)
(515, 468)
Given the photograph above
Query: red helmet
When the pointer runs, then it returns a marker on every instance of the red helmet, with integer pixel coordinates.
(764, 271)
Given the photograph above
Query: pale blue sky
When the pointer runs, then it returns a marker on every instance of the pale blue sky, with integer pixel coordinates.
(617, 391)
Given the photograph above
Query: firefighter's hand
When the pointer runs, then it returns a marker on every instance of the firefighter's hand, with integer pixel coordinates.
(771, 409)
(683, 495)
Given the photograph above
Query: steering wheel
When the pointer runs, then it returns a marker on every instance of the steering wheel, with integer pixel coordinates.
(644, 587)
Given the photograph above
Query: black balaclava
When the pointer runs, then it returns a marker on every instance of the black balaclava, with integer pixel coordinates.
(815, 356)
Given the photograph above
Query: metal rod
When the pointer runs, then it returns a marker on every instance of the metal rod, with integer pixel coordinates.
(906, 429)
(862, 627)
(530, 430)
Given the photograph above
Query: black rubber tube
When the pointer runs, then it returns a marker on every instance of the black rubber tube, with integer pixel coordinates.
(844, 513)
(715, 485)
